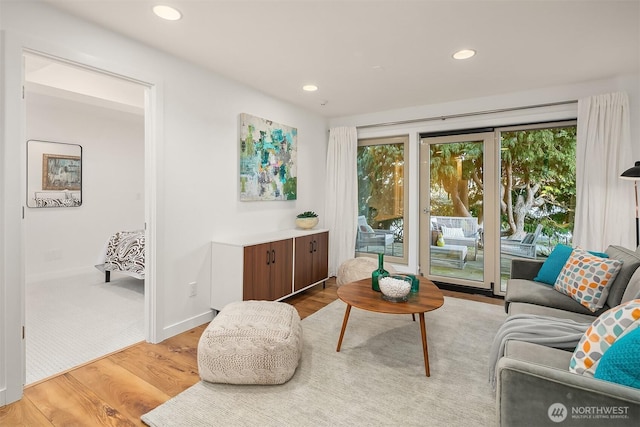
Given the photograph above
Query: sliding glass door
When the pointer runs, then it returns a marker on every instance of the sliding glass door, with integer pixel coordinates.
(488, 198)
(538, 191)
(455, 204)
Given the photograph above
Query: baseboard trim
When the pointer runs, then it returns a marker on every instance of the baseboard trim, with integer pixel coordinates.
(185, 325)
(61, 274)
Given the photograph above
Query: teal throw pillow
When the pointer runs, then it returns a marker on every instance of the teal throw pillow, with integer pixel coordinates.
(621, 362)
(553, 265)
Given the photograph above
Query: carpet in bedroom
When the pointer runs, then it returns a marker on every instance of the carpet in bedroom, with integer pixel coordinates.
(73, 320)
(376, 379)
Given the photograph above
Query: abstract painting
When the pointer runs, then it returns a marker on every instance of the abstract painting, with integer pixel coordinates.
(267, 160)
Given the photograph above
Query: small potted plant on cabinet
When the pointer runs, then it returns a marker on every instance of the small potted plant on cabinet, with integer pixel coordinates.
(307, 220)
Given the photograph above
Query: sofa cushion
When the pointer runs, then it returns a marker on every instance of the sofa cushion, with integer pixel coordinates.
(528, 291)
(540, 310)
(621, 362)
(631, 262)
(554, 263)
(452, 232)
(633, 288)
(586, 278)
(522, 268)
(602, 333)
(536, 353)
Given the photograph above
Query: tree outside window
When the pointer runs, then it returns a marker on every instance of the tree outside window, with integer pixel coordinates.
(381, 190)
(537, 184)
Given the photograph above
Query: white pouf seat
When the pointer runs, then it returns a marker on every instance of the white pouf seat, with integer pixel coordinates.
(251, 342)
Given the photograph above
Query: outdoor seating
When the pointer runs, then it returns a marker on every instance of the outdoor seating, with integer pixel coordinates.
(450, 254)
(367, 236)
(525, 248)
(458, 231)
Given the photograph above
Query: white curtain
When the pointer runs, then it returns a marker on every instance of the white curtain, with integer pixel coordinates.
(605, 212)
(341, 192)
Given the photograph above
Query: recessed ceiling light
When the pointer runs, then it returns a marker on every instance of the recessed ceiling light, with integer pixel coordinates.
(167, 12)
(464, 54)
(310, 88)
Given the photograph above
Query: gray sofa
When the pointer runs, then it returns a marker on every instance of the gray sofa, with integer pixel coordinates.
(531, 378)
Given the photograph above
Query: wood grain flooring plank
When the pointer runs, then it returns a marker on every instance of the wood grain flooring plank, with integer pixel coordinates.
(185, 345)
(128, 394)
(154, 364)
(22, 413)
(313, 299)
(66, 402)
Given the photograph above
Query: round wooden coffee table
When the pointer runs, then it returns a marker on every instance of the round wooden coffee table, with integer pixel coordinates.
(360, 295)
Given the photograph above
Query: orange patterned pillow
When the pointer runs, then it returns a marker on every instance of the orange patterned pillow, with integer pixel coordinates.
(603, 332)
(586, 278)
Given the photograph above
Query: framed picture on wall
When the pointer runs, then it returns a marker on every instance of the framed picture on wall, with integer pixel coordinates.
(61, 172)
(268, 152)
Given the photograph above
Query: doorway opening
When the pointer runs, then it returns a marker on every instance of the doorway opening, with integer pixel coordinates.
(71, 315)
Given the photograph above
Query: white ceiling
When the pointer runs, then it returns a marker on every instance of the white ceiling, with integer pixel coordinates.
(369, 56)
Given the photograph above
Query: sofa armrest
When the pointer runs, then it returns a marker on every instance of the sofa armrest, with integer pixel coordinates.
(525, 268)
(525, 391)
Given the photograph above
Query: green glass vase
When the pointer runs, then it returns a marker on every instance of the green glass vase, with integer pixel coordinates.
(378, 274)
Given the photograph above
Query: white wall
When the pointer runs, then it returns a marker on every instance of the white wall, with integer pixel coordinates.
(195, 168)
(63, 241)
(628, 83)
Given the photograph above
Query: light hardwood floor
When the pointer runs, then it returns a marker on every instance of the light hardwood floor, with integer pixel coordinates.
(118, 388)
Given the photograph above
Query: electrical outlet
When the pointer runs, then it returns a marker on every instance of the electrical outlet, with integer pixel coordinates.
(193, 289)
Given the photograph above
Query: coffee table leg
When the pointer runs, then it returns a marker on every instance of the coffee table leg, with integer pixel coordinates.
(423, 332)
(344, 325)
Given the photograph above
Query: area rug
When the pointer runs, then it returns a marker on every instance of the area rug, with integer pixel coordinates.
(377, 378)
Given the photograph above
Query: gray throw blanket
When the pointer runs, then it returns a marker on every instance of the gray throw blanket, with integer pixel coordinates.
(543, 330)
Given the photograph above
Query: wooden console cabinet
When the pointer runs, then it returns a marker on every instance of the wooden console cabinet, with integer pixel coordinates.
(312, 260)
(269, 266)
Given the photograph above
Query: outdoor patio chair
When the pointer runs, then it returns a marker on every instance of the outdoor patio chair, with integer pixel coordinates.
(525, 248)
(458, 231)
(367, 236)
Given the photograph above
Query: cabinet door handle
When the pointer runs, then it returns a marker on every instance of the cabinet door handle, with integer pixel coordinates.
(315, 246)
(268, 258)
(310, 247)
(273, 256)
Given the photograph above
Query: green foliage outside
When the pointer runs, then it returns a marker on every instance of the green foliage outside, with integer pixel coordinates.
(537, 180)
(456, 179)
(380, 170)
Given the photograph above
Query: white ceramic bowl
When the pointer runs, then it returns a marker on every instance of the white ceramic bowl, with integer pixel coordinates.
(395, 289)
(307, 223)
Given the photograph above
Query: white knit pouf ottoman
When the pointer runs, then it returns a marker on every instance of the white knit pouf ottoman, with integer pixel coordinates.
(251, 342)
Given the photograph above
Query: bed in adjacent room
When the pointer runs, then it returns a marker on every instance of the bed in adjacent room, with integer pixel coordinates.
(123, 252)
